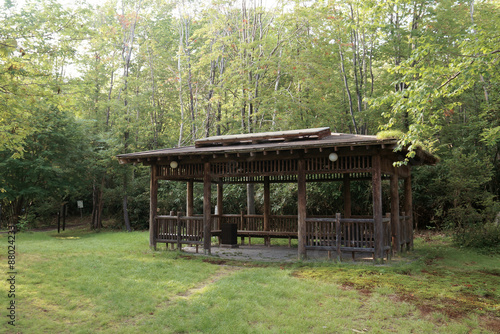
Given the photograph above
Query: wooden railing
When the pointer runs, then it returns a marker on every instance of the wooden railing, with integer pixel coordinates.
(345, 234)
(322, 233)
(251, 223)
(179, 229)
(285, 223)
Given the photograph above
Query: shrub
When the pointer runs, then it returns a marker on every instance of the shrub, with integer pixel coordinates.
(485, 238)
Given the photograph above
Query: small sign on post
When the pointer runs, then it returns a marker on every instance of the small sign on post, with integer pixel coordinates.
(80, 206)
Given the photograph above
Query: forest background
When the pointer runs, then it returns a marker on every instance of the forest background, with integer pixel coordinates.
(83, 82)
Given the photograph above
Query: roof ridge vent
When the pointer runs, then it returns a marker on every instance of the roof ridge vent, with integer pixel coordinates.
(264, 137)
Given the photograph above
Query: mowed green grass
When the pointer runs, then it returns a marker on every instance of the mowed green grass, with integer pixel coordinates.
(110, 282)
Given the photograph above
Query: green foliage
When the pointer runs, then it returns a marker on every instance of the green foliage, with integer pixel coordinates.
(47, 174)
(133, 79)
(390, 134)
(483, 237)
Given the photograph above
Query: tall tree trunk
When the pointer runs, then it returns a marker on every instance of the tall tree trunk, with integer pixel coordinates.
(355, 62)
(97, 205)
(486, 95)
(153, 116)
(126, 218)
(108, 109)
(179, 71)
(17, 209)
(346, 85)
(128, 44)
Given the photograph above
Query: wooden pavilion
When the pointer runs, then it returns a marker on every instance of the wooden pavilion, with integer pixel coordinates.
(299, 156)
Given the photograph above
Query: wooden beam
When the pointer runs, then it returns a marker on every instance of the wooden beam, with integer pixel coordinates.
(395, 225)
(377, 207)
(153, 204)
(207, 210)
(302, 201)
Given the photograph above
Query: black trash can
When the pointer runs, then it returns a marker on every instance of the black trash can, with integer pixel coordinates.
(229, 235)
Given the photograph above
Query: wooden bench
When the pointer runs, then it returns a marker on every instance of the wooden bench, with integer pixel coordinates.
(267, 235)
(173, 239)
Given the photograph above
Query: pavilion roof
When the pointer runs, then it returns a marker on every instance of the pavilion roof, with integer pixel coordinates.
(318, 138)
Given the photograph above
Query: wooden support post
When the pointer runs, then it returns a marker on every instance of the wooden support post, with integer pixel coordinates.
(403, 229)
(267, 208)
(395, 225)
(179, 231)
(409, 212)
(301, 185)
(388, 234)
(347, 195)
(377, 207)
(64, 210)
(153, 205)
(338, 237)
(240, 227)
(207, 210)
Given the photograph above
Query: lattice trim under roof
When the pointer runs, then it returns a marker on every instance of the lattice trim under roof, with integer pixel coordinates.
(263, 137)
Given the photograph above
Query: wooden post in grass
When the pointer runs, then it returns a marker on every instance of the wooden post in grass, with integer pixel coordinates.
(241, 227)
(377, 207)
(267, 208)
(395, 226)
(409, 212)
(301, 187)
(207, 210)
(338, 236)
(153, 202)
(65, 211)
(179, 230)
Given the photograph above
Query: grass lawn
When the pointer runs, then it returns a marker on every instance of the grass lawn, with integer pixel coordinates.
(110, 282)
